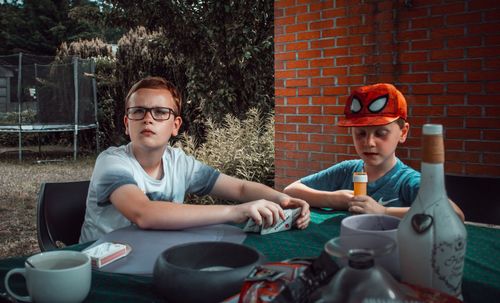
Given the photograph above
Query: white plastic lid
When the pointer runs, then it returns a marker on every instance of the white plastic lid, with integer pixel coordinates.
(432, 129)
(360, 178)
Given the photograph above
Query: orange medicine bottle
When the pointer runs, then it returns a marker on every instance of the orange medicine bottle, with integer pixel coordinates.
(360, 180)
(431, 236)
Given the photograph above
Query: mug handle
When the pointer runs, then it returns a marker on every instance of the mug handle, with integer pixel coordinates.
(11, 272)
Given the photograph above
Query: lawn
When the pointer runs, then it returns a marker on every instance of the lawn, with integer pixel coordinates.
(19, 186)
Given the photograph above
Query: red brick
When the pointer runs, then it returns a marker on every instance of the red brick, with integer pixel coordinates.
(296, 119)
(482, 52)
(278, 83)
(321, 62)
(333, 110)
(308, 35)
(492, 111)
(445, 9)
(483, 123)
(335, 90)
(315, 6)
(413, 56)
(349, 40)
(308, 17)
(321, 24)
(464, 88)
(447, 77)
(309, 54)
(296, 137)
(426, 23)
(337, 51)
(297, 46)
(427, 110)
(482, 170)
(282, 110)
(348, 60)
(461, 133)
(491, 134)
(284, 38)
(359, 30)
(296, 82)
(335, 71)
(483, 75)
(464, 111)
(335, 148)
(322, 81)
(312, 147)
(285, 74)
(284, 20)
(313, 72)
(483, 28)
(361, 69)
(447, 32)
(285, 92)
(427, 89)
(447, 54)
(464, 65)
(483, 99)
(283, 3)
(492, 39)
(464, 42)
(279, 127)
(348, 21)
(296, 155)
(332, 13)
(297, 64)
(294, 28)
(448, 121)
(360, 50)
(310, 128)
(324, 43)
(458, 156)
(310, 110)
(467, 18)
(322, 100)
(297, 101)
(491, 158)
(427, 44)
(427, 67)
(322, 119)
(285, 56)
(413, 35)
(309, 92)
(333, 32)
(295, 10)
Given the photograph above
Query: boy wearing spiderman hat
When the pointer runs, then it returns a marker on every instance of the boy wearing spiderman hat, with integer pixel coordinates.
(377, 115)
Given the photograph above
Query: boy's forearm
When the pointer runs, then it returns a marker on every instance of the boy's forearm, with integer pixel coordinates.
(315, 198)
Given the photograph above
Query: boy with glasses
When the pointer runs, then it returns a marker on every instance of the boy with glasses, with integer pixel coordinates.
(377, 115)
(145, 181)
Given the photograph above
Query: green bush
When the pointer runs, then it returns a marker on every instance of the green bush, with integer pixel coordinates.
(239, 148)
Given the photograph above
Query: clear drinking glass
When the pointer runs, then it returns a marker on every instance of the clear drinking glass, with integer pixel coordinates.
(361, 280)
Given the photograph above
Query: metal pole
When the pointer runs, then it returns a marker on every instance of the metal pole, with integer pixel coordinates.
(19, 91)
(94, 93)
(75, 133)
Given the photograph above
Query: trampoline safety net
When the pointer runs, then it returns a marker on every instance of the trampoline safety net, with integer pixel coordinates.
(41, 94)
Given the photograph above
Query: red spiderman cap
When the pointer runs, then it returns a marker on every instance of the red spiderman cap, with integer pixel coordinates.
(376, 104)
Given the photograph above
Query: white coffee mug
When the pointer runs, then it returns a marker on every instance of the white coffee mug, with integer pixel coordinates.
(56, 276)
(376, 224)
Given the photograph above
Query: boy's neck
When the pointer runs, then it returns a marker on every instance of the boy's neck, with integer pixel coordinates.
(376, 172)
(150, 161)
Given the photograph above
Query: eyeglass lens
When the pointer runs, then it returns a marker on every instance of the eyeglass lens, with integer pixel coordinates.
(158, 113)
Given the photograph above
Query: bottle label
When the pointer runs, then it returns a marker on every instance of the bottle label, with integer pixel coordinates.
(432, 149)
(448, 264)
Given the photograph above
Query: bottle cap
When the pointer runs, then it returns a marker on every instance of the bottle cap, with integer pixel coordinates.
(360, 177)
(432, 129)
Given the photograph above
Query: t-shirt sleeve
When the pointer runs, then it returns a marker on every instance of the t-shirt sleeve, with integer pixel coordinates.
(330, 179)
(200, 178)
(110, 172)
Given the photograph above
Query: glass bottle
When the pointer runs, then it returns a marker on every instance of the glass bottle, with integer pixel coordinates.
(431, 236)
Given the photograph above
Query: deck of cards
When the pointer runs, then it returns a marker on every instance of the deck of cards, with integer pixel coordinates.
(106, 253)
(291, 216)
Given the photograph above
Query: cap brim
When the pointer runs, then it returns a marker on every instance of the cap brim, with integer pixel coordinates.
(366, 121)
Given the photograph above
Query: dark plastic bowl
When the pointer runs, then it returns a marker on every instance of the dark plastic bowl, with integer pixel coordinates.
(203, 271)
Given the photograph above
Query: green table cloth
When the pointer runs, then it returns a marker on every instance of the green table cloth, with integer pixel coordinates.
(481, 281)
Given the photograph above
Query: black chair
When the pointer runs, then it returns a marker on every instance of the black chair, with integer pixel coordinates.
(60, 213)
(477, 197)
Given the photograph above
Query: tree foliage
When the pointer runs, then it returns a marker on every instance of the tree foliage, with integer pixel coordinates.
(224, 49)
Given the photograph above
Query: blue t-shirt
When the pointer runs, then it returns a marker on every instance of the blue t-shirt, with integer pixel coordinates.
(397, 188)
(117, 166)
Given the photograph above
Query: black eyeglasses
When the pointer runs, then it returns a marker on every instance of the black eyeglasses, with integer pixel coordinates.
(158, 113)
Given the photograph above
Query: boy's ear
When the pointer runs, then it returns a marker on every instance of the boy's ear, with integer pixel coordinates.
(404, 132)
(177, 125)
(125, 122)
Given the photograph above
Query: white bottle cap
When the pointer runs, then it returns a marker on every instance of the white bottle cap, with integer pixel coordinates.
(432, 129)
(360, 178)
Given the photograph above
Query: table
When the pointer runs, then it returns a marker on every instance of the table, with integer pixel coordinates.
(481, 282)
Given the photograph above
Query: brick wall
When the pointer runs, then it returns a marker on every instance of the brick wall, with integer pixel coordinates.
(443, 55)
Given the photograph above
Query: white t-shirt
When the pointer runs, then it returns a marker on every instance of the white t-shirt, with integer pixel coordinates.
(117, 166)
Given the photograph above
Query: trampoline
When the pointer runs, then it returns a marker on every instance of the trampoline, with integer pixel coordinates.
(40, 94)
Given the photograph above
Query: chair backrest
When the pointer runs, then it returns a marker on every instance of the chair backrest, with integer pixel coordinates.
(477, 197)
(60, 213)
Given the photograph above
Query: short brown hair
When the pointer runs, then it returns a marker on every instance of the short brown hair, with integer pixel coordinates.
(157, 83)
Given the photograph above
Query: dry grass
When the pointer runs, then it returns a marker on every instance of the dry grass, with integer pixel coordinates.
(19, 185)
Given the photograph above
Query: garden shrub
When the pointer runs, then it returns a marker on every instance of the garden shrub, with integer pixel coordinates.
(239, 148)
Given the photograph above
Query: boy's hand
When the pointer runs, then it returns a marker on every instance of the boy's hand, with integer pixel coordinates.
(365, 205)
(262, 212)
(302, 222)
